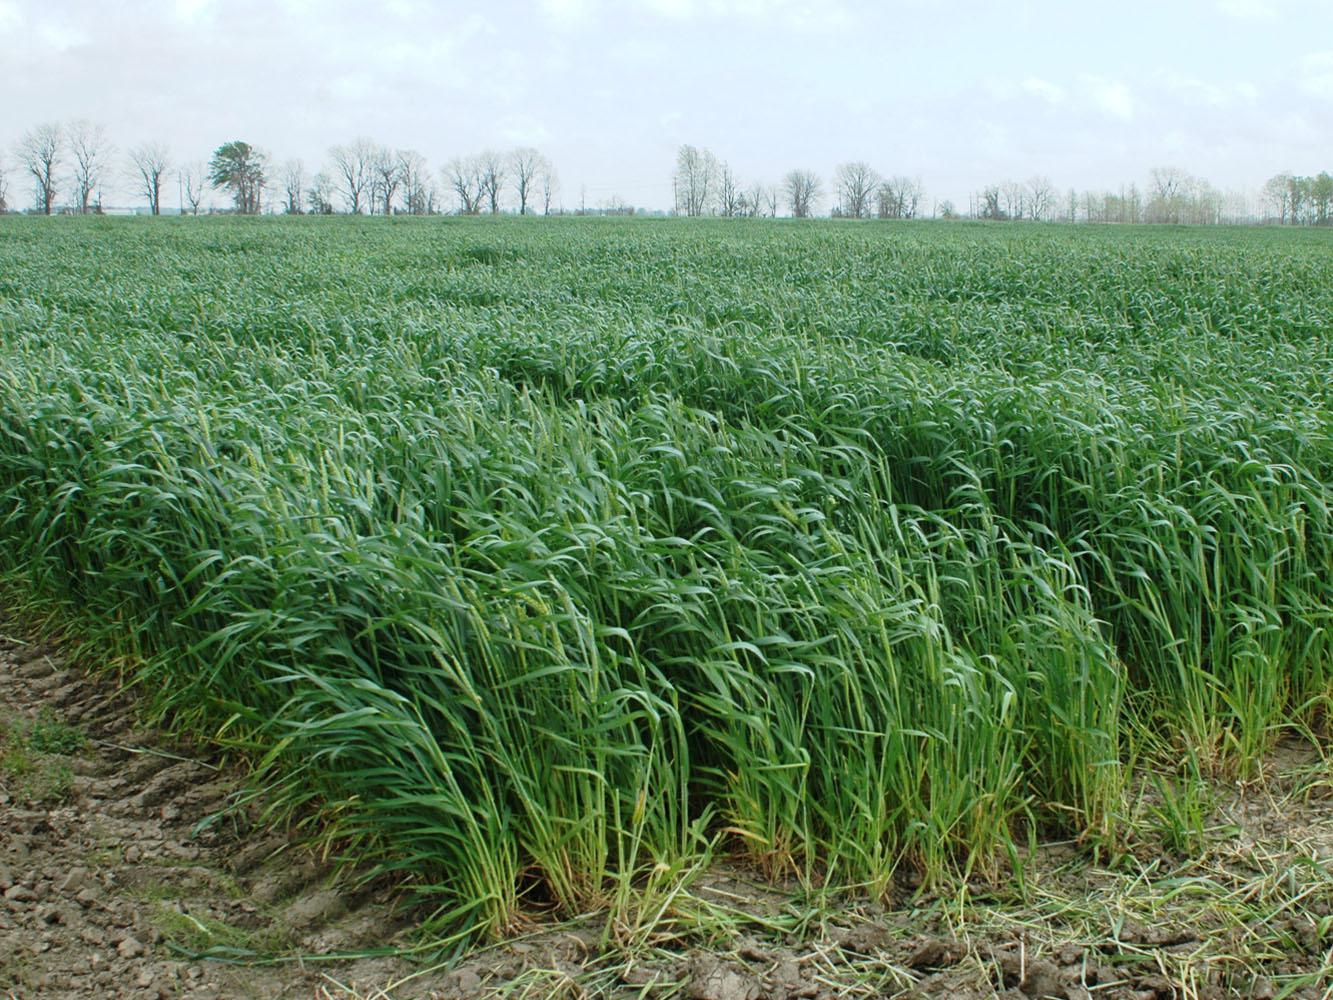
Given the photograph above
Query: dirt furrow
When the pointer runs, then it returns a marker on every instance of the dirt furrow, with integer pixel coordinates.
(113, 885)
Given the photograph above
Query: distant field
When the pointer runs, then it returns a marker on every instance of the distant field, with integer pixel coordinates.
(537, 554)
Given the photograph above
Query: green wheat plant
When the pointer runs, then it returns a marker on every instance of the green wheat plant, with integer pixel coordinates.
(533, 564)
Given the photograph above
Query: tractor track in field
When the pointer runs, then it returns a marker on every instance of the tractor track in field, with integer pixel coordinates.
(108, 888)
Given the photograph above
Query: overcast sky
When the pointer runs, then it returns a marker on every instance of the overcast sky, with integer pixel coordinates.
(960, 92)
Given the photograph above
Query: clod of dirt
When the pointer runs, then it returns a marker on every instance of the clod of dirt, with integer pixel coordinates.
(1043, 981)
(320, 907)
(1153, 937)
(1157, 986)
(20, 894)
(866, 939)
(714, 979)
(130, 947)
(788, 982)
(1040, 978)
(640, 974)
(753, 951)
(463, 983)
(936, 953)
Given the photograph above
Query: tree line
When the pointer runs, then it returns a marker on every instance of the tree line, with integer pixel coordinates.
(79, 157)
(1300, 201)
(1170, 196)
(703, 184)
(70, 163)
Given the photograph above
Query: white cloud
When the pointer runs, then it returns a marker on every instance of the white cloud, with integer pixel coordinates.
(788, 14)
(1247, 10)
(994, 137)
(566, 13)
(1318, 74)
(61, 36)
(192, 12)
(1112, 97)
(1051, 93)
(796, 14)
(523, 130)
(1200, 93)
(352, 86)
(11, 15)
(407, 9)
(679, 10)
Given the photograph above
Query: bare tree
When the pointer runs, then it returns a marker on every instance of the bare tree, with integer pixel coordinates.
(4, 188)
(418, 189)
(1321, 197)
(802, 190)
(1169, 187)
(1133, 205)
(856, 182)
(988, 204)
(1207, 202)
(695, 181)
(1091, 207)
(1167, 182)
(150, 161)
(1015, 197)
(463, 175)
(1277, 198)
(191, 180)
(387, 171)
(354, 167)
(730, 199)
(293, 187)
(758, 199)
(550, 185)
(528, 166)
(899, 197)
(91, 151)
(319, 196)
(39, 152)
(1299, 196)
(493, 171)
(1040, 198)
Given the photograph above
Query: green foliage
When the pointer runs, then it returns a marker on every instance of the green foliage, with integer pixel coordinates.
(49, 735)
(31, 768)
(239, 168)
(540, 555)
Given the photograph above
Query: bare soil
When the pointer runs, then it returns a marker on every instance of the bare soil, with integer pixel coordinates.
(109, 885)
(117, 879)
